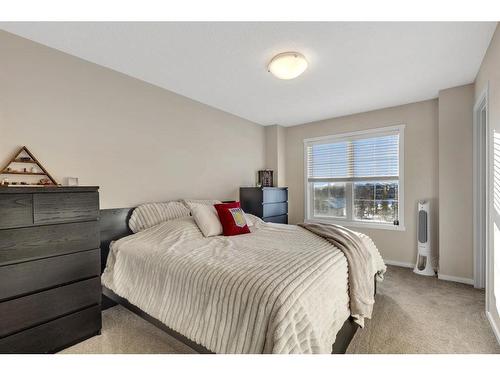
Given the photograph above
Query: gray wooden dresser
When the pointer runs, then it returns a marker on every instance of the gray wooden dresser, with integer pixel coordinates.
(50, 289)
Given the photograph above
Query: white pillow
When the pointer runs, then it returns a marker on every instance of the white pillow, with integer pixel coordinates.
(249, 218)
(209, 202)
(206, 218)
(150, 214)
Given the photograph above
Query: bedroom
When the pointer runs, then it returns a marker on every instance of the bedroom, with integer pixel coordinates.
(249, 187)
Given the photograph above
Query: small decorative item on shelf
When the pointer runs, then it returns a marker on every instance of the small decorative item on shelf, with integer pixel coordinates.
(5, 182)
(34, 170)
(45, 181)
(25, 159)
(266, 178)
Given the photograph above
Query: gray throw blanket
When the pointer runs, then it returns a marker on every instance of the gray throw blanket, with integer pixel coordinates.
(360, 266)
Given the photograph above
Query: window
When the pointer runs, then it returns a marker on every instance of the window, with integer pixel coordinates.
(356, 179)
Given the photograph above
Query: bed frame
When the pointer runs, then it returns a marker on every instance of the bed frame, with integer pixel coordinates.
(114, 225)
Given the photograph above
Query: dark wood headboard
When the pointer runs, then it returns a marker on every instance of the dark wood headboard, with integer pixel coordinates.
(113, 224)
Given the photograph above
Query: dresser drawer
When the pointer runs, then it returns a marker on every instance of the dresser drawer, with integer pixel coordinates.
(56, 334)
(274, 209)
(274, 195)
(281, 219)
(22, 244)
(29, 277)
(16, 210)
(29, 311)
(49, 208)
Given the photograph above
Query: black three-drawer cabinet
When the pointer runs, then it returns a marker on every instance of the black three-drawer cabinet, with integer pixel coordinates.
(50, 289)
(268, 203)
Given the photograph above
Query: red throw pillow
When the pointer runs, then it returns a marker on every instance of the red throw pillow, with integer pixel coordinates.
(232, 218)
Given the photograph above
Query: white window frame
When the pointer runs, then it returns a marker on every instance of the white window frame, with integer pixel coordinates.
(308, 204)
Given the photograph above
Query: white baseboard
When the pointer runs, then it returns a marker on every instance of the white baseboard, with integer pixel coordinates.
(399, 264)
(494, 327)
(462, 280)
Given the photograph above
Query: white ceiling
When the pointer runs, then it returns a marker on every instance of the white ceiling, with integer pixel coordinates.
(353, 67)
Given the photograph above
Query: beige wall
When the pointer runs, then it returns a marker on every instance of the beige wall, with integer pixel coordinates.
(421, 170)
(111, 130)
(489, 75)
(455, 182)
(275, 152)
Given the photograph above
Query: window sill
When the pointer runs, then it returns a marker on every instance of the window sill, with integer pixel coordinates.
(357, 224)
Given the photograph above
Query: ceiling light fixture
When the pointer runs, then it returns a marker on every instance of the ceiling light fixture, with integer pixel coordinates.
(287, 65)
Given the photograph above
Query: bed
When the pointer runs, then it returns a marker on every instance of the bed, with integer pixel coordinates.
(279, 289)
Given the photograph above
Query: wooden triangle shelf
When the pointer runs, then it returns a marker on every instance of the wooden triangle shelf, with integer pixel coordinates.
(29, 159)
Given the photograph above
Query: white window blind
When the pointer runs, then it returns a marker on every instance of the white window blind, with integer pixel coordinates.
(354, 159)
(356, 177)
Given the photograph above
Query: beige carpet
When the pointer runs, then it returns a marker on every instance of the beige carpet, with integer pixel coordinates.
(418, 314)
(413, 314)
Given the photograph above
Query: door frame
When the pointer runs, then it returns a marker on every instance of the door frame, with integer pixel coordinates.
(481, 193)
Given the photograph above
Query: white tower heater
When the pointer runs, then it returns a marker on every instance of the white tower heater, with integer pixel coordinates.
(424, 254)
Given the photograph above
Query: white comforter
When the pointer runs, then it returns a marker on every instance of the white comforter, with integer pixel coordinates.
(279, 289)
